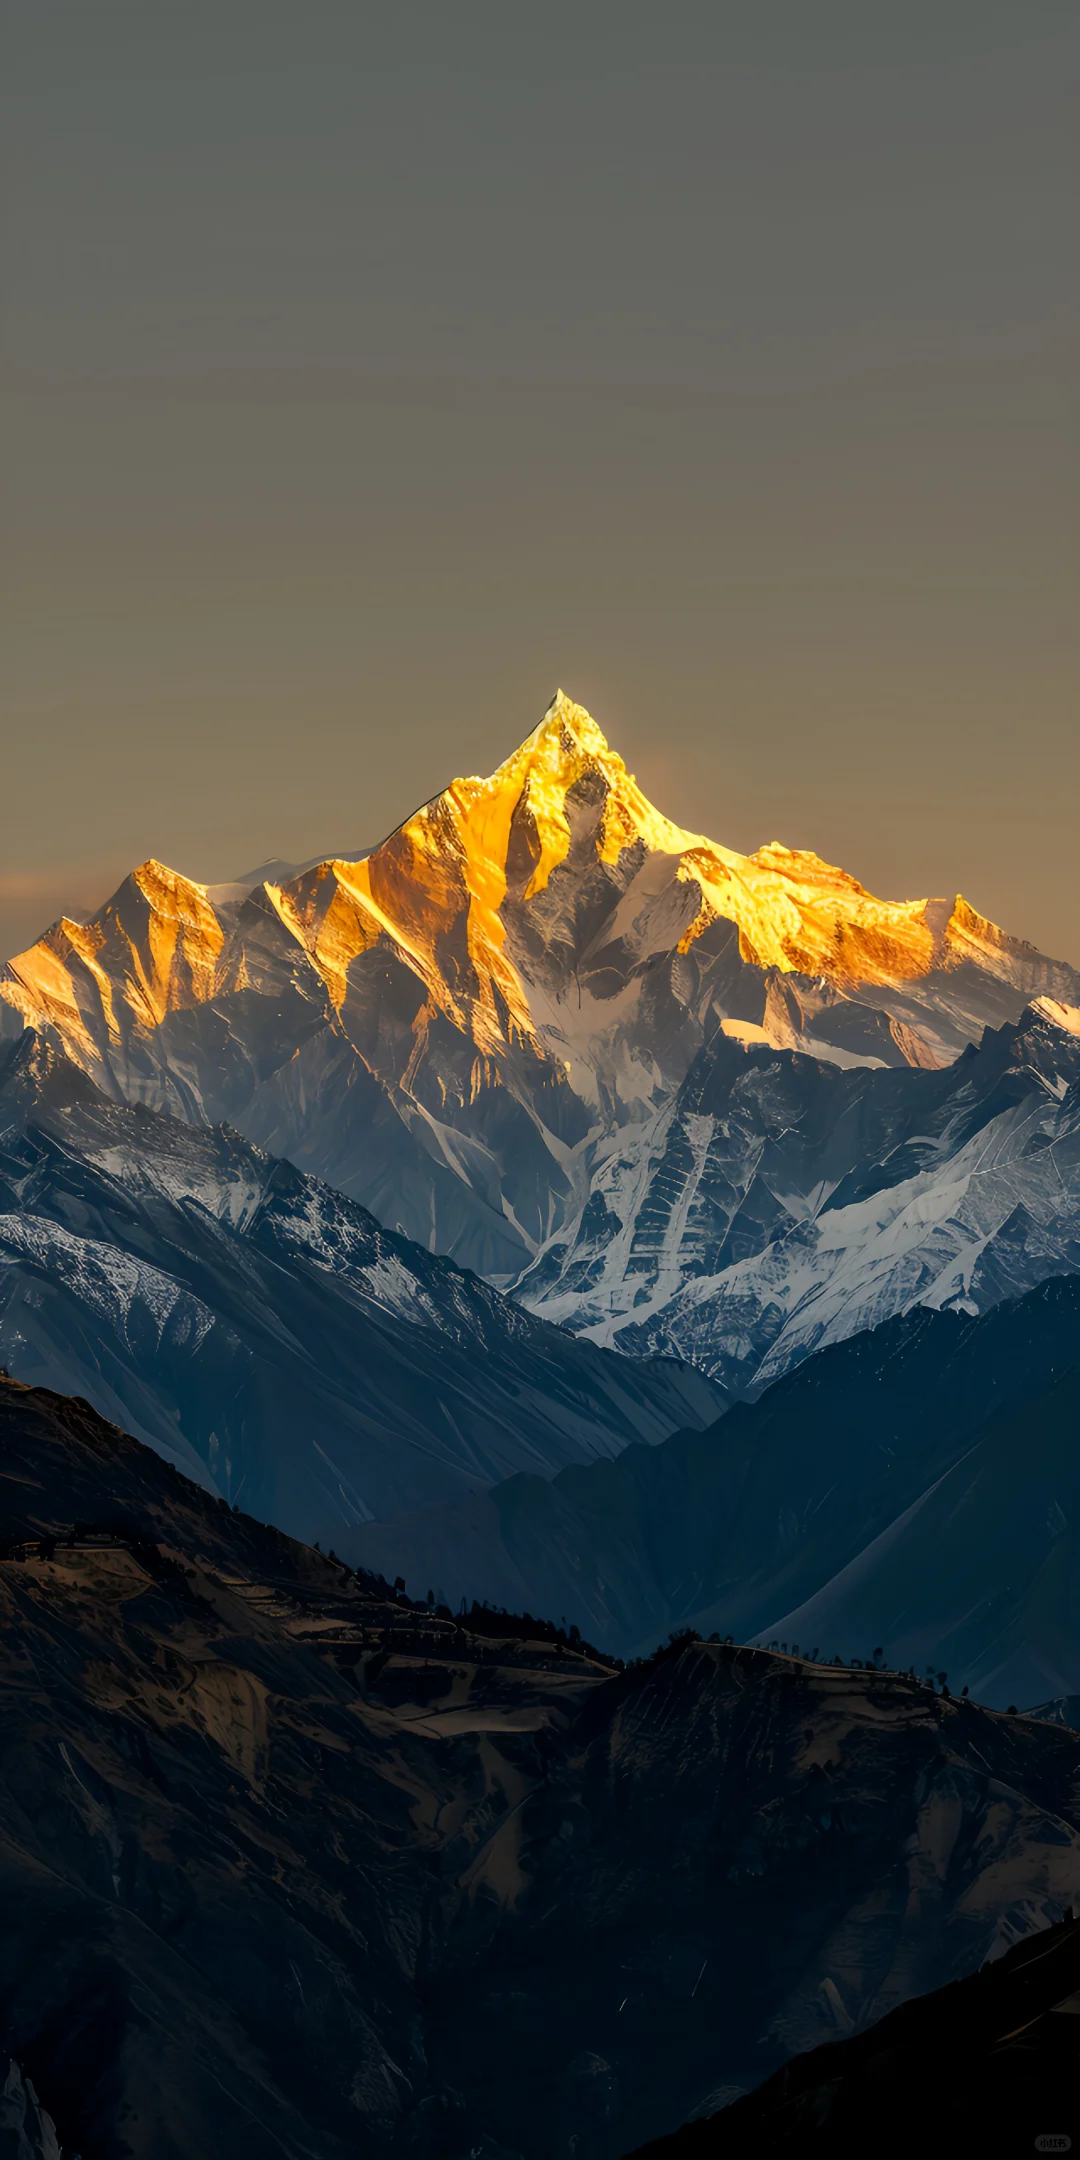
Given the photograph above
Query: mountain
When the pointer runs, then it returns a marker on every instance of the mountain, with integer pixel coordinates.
(915, 1489)
(264, 1333)
(295, 1868)
(779, 1204)
(989, 2064)
(451, 1029)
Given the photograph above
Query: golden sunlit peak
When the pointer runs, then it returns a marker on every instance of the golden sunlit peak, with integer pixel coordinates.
(804, 865)
(563, 712)
(447, 896)
(153, 877)
(564, 729)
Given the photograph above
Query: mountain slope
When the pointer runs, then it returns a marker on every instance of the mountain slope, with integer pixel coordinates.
(982, 1573)
(989, 2064)
(293, 1868)
(265, 1334)
(447, 1028)
(915, 1488)
(779, 1204)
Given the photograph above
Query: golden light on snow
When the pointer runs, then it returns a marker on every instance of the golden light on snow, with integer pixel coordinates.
(448, 894)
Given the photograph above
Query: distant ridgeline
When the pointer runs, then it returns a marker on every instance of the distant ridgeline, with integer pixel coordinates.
(928, 1469)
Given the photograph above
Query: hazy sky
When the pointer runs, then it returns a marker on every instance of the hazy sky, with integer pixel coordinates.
(368, 370)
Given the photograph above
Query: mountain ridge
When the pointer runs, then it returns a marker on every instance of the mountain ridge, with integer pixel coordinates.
(777, 1202)
(913, 1488)
(448, 1027)
(294, 1867)
(265, 1332)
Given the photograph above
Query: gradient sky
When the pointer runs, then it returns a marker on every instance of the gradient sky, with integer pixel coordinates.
(369, 370)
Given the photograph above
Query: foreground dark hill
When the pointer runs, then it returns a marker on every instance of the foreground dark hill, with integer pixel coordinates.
(988, 2065)
(265, 1334)
(917, 1488)
(289, 1866)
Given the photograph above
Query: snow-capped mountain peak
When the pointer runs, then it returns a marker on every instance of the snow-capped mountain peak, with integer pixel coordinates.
(779, 1204)
(454, 1026)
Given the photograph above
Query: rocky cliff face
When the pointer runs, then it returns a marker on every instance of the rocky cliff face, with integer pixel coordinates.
(292, 1866)
(448, 1028)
